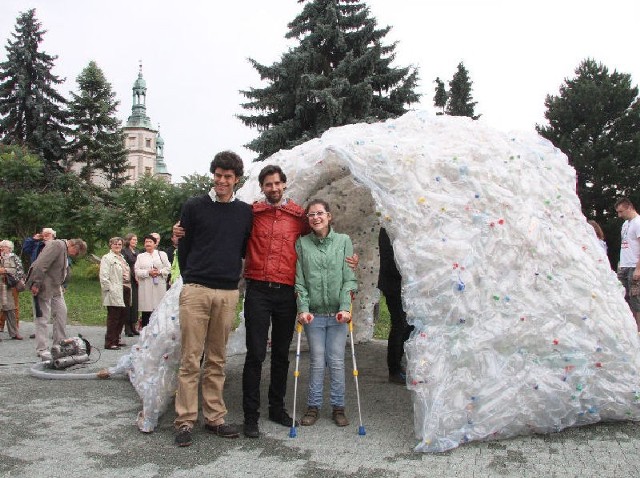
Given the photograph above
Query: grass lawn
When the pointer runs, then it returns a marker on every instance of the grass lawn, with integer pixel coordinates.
(84, 303)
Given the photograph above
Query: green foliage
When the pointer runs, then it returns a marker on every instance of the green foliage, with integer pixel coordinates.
(193, 185)
(382, 325)
(152, 204)
(340, 73)
(29, 201)
(21, 174)
(595, 121)
(441, 96)
(83, 298)
(459, 103)
(98, 139)
(31, 110)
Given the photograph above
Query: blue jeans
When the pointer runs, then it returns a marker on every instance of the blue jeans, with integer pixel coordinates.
(327, 339)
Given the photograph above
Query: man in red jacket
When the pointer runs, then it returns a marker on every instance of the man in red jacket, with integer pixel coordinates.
(270, 270)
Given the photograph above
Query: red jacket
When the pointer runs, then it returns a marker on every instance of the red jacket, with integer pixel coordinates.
(271, 253)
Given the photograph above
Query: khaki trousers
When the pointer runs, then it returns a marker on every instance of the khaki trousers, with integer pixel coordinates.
(53, 308)
(206, 318)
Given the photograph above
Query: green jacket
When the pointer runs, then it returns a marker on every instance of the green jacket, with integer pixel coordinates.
(324, 281)
(175, 267)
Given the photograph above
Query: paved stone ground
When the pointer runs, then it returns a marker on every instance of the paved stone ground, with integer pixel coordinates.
(87, 428)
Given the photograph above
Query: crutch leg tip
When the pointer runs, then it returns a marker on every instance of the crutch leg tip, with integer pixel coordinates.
(361, 431)
(293, 433)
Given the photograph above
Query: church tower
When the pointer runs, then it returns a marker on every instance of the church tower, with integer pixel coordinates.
(161, 167)
(141, 139)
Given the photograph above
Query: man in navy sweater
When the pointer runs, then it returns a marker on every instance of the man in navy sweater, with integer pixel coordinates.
(217, 227)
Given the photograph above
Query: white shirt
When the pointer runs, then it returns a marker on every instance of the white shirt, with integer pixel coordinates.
(630, 245)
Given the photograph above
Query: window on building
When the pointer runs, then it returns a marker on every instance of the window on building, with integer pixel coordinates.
(147, 143)
(132, 140)
(147, 171)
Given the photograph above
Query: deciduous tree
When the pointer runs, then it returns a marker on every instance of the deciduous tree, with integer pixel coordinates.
(595, 121)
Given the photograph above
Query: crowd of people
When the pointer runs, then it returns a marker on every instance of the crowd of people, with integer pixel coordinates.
(297, 268)
(133, 283)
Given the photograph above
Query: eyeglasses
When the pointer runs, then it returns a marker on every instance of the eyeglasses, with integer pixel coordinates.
(311, 215)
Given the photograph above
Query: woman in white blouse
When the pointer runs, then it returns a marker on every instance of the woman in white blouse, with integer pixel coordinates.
(152, 269)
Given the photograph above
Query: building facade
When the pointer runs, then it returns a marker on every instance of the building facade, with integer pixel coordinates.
(144, 144)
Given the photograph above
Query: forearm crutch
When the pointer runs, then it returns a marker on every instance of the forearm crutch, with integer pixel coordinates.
(361, 430)
(293, 433)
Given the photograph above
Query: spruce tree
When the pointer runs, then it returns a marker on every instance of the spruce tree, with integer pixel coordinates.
(441, 96)
(98, 140)
(31, 110)
(460, 103)
(339, 73)
(595, 121)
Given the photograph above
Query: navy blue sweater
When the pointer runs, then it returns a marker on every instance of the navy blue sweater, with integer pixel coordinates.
(215, 241)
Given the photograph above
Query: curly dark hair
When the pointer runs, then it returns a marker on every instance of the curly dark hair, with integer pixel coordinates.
(227, 160)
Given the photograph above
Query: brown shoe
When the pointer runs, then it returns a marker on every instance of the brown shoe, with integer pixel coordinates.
(339, 417)
(223, 430)
(309, 417)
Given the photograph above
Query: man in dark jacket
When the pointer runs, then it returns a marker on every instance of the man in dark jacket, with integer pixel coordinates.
(216, 230)
(389, 283)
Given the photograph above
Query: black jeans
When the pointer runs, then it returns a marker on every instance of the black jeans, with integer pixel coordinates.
(264, 305)
(399, 332)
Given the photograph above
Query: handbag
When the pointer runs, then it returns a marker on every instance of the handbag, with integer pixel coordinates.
(14, 283)
(11, 280)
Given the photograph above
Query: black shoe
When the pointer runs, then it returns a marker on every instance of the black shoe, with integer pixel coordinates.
(283, 418)
(398, 378)
(32, 336)
(224, 430)
(183, 437)
(129, 334)
(251, 430)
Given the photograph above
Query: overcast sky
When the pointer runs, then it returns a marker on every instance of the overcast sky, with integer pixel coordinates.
(194, 55)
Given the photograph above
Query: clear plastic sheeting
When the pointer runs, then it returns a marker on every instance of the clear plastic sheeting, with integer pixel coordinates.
(153, 362)
(521, 326)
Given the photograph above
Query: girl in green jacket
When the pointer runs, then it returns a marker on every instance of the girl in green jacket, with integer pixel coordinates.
(324, 283)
